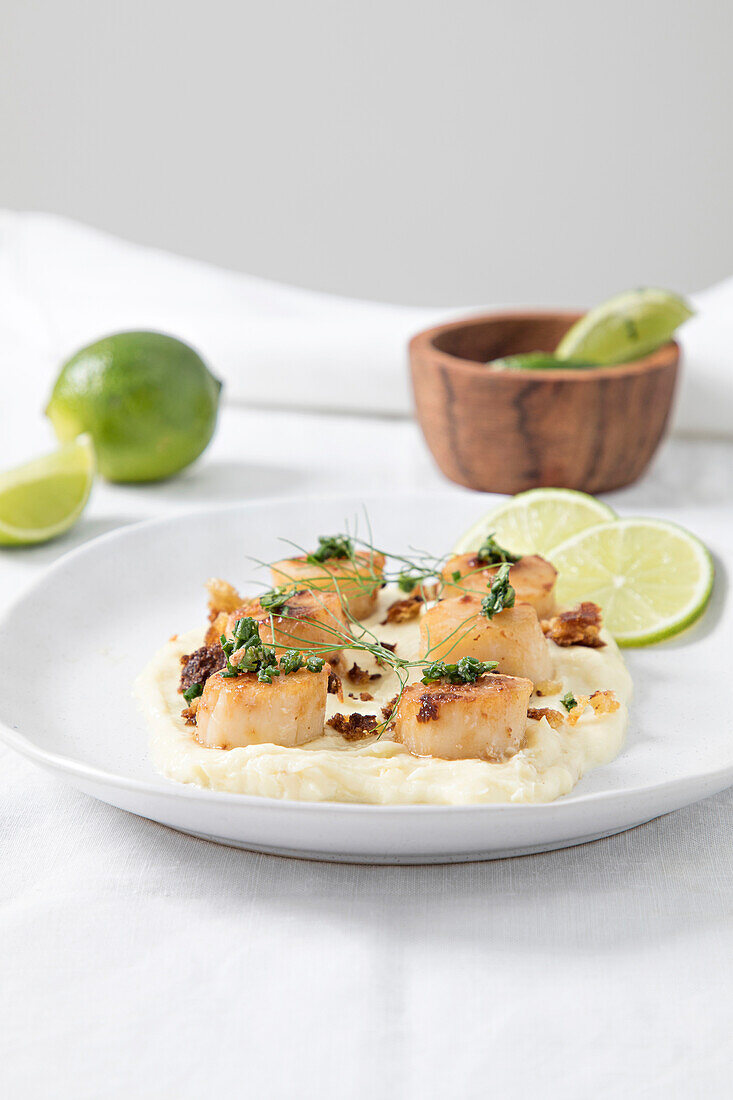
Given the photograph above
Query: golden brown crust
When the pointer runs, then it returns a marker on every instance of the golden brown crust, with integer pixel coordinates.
(354, 727)
(554, 717)
(403, 611)
(579, 626)
(298, 606)
(430, 707)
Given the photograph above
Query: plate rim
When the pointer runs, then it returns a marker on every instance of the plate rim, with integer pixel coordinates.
(23, 744)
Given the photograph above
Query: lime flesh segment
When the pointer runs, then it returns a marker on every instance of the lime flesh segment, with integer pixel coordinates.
(537, 521)
(45, 497)
(626, 327)
(652, 579)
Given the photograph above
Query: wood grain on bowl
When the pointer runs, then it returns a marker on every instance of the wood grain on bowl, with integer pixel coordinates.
(506, 431)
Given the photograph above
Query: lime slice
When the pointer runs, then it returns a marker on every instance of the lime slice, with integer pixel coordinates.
(652, 579)
(626, 327)
(537, 521)
(45, 497)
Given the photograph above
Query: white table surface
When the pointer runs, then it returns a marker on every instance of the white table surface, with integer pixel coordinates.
(138, 962)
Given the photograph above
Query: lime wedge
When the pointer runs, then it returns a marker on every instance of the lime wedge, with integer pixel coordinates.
(652, 579)
(537, 521)
(626, 327)
(538, 360)
(45, 497)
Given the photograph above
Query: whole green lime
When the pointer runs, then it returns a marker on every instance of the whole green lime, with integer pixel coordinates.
(148, 400)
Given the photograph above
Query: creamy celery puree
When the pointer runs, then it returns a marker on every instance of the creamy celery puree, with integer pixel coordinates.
(548, 765)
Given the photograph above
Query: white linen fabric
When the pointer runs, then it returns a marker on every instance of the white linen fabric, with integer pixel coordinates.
(63, 285)
(138, 962)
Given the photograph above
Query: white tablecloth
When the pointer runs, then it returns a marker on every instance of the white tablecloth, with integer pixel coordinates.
(137, 962)
(63, 285)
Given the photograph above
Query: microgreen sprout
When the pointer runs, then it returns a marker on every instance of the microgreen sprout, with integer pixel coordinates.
(465, 671)
(492, 554)
(500, 594)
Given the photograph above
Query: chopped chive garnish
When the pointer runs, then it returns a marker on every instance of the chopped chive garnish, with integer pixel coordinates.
(276, 599)
(492, 554)
(331, 546)
(569, 701)
(193, 692)
(500, 595)
(465, 671)
(254, 656)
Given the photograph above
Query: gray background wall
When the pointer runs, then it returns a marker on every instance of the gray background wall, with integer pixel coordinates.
(437, 153)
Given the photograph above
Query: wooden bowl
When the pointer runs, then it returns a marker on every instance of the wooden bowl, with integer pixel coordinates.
(506, 431)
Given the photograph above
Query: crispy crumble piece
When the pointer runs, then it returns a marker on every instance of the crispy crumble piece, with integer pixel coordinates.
(554, 717)
(358, 675)
(354, 726)
(189, 713)
(199, 665)
(403, 611)
(604, 702)
(219, 625)
(222, 597)
(579, 626)
(574, 714)
(366, 696)
(335, 686)
(390, 706)
(548, 687)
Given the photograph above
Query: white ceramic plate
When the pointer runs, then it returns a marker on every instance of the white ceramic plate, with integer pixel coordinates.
(71, 648)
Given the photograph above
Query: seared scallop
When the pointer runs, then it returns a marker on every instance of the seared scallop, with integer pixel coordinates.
(240, 710)
(458, 628)
(356, 581)
(532, 578)
(486, 719)
(307, 620)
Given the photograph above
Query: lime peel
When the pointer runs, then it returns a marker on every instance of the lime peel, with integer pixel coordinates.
(43, 498)
(652, 578)
(628, 326)
(536, 521)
